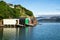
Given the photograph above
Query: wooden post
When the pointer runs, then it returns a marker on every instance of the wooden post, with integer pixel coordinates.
(1, 23)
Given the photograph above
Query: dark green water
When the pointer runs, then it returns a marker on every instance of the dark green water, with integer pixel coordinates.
(42, 31)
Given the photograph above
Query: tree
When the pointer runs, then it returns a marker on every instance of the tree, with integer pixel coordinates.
(29, 13)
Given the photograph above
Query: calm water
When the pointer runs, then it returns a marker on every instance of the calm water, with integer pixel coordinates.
(43, 31)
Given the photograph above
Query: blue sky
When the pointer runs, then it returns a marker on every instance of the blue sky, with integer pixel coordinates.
(39, 7)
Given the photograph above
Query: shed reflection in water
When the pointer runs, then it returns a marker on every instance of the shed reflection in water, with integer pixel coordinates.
(23, 33)
(1, 33)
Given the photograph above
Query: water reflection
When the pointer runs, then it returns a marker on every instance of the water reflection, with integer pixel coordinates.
(1, 33)
(46, 31)
(9, 33)
(23, 33)
(29, 34)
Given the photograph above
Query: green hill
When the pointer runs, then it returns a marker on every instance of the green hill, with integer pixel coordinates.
(18, 11)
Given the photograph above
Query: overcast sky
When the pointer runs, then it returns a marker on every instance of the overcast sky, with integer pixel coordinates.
(39, 7)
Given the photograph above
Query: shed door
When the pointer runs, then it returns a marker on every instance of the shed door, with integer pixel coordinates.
(26, 21)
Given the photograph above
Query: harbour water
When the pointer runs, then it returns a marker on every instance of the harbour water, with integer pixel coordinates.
(42, 31)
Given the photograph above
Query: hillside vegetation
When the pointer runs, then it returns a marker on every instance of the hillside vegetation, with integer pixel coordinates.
(18, 11)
